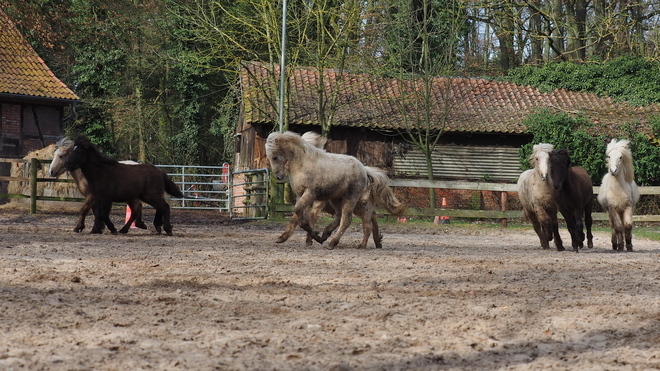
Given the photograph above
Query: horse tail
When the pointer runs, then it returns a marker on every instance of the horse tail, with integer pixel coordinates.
(380, 193)
(171, 187)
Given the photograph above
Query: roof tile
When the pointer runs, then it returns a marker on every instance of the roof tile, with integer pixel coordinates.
(476, 105)
(22, 71)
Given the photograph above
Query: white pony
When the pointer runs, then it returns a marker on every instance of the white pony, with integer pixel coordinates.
(619, 193)
(316, 175)
(535, 193)
(377, 194)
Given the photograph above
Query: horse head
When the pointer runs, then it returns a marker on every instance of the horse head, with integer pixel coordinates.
(62, 153)
(619, 159)
(560, 163)
(540, 159)
(78, 155)
(284, 151)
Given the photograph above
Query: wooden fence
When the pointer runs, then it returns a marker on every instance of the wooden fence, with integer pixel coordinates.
(279, 208)
(33, 179)
(504, 215)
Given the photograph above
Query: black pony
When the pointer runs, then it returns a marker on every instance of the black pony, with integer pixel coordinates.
(110, 181)
(573, 194)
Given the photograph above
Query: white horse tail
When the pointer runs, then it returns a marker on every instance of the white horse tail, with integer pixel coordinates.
(380, 194)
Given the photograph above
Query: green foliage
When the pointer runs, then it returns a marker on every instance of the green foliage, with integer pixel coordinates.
(588, 151)
(646, 153)
(628, 78)
(564, 131)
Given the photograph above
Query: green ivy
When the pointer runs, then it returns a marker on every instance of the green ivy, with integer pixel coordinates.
(588, 151)
(629, 78)
(564, 131)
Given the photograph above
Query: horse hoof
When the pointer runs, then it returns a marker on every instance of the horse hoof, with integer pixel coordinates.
(141, 225)
(123, 230)
(559, 248)
(78, 230)
(280, 239)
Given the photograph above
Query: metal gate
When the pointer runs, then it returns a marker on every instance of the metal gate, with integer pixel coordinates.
(242, 194)
(203, 187)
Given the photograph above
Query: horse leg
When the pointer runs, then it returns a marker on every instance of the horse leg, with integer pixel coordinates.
(84, 210)
(317, 207)
(540, 227)
(101, 216)
(302, 211)
(588, 222)
(293, 223)
(336, 211)
(138, 215)
(627, 227)
(554, 229)
(162, 215)
(364, 212)
(346, 218)
(133, 205)
(617, 226)
(378, 238)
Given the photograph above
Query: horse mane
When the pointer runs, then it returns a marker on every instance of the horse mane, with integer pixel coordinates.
(541, 147)
(314, 139)
(622, 146)
(560, 155)
(84, 142)
(293, 143)
(64, 143)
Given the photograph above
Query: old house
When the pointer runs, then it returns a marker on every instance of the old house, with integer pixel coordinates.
(32, 98)
(483, 119)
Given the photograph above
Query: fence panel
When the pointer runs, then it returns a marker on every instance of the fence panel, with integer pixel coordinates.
(203, 187)
(250, 197)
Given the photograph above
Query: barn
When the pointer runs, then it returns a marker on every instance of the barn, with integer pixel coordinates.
(482, 119)
(32, 99)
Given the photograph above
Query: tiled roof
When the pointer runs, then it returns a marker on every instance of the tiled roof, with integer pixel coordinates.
(474, 105)
(22, 71)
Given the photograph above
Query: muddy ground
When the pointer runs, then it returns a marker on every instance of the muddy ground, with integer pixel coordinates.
(222, 295)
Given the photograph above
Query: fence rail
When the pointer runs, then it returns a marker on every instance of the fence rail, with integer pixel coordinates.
(479, 214)
(214, 185)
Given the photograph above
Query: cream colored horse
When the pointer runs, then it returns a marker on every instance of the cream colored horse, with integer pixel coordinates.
(619, 193)
(316, 175)
(377, 194)
(535, 193)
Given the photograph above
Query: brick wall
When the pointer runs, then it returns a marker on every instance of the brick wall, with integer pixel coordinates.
(11, 119)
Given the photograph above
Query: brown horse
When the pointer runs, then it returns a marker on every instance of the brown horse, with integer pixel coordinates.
(109, 181)
(535, 191)
(377, 194)
(316, 175)
(573, 194)
(63, 149)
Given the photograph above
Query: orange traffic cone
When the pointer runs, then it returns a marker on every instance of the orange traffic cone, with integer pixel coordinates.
(444, 219)
(128, 216)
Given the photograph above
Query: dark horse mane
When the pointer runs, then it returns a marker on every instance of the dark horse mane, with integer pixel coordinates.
(84, 142)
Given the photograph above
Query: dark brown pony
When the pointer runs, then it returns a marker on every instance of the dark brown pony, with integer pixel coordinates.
(573, 194)
(110, 181)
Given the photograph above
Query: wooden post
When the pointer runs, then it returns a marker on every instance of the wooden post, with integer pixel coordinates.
(33, 185)
(504, 200)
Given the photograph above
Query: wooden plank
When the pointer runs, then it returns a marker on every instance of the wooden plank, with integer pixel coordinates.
(476, 186)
